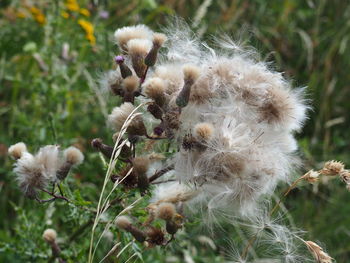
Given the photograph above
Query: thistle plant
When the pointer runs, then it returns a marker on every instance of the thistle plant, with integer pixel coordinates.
(198, 131)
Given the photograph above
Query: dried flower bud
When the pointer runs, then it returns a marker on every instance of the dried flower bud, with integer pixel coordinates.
(125, 223)
(203, 131)
(138, 49)
(124, 69)
(154, 88)
(71, 156)
(166, 211)
(191, 73)
(332, 168)
(311, 176)
(155, 110)
(130, 88)
(155, 236)
(50, 235)
(141, 165)
(16, 150)
(105, 149)
(119, 116)
(158, 40)
(318, 253)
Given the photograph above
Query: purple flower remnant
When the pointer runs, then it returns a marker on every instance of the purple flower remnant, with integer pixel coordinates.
(119, 59)
(103, 14)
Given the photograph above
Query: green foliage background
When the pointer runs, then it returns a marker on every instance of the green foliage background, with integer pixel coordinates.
(56, 102)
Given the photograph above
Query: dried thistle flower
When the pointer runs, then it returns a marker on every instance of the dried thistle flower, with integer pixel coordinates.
(166, 211)
(318, 253)
(154, 88)
(137, 50)
(119, 115)
(125, 34)
(16, 151)
(50, 235)
(158, 41)
(35, 172)
(130, 88)
(71, 156)
(140, 165)
(191, 73)
(332, 168)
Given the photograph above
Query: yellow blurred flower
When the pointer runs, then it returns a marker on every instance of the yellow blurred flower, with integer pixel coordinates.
(20, 14)
(91, 38)
(38, 15)
(64, 14)
(72, 5)
(89, 30)
(84, 12)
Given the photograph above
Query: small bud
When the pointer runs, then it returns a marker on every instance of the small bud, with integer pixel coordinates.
(124, 69)
(16, 150)
(158, 40)
(171, 227)
(311, 176)
(50, 237)
(191, 73)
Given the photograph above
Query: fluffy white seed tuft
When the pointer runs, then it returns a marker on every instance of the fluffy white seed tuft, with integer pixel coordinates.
(16, 151)
(50, 235)
(139, 47)
(119, 115)
(159, 39)
(166, 211)
(124, 34)
(123, 222)
(73, 155)
(204, 131)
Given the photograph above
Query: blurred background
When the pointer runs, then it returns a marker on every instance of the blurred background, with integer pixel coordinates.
(52, 54)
